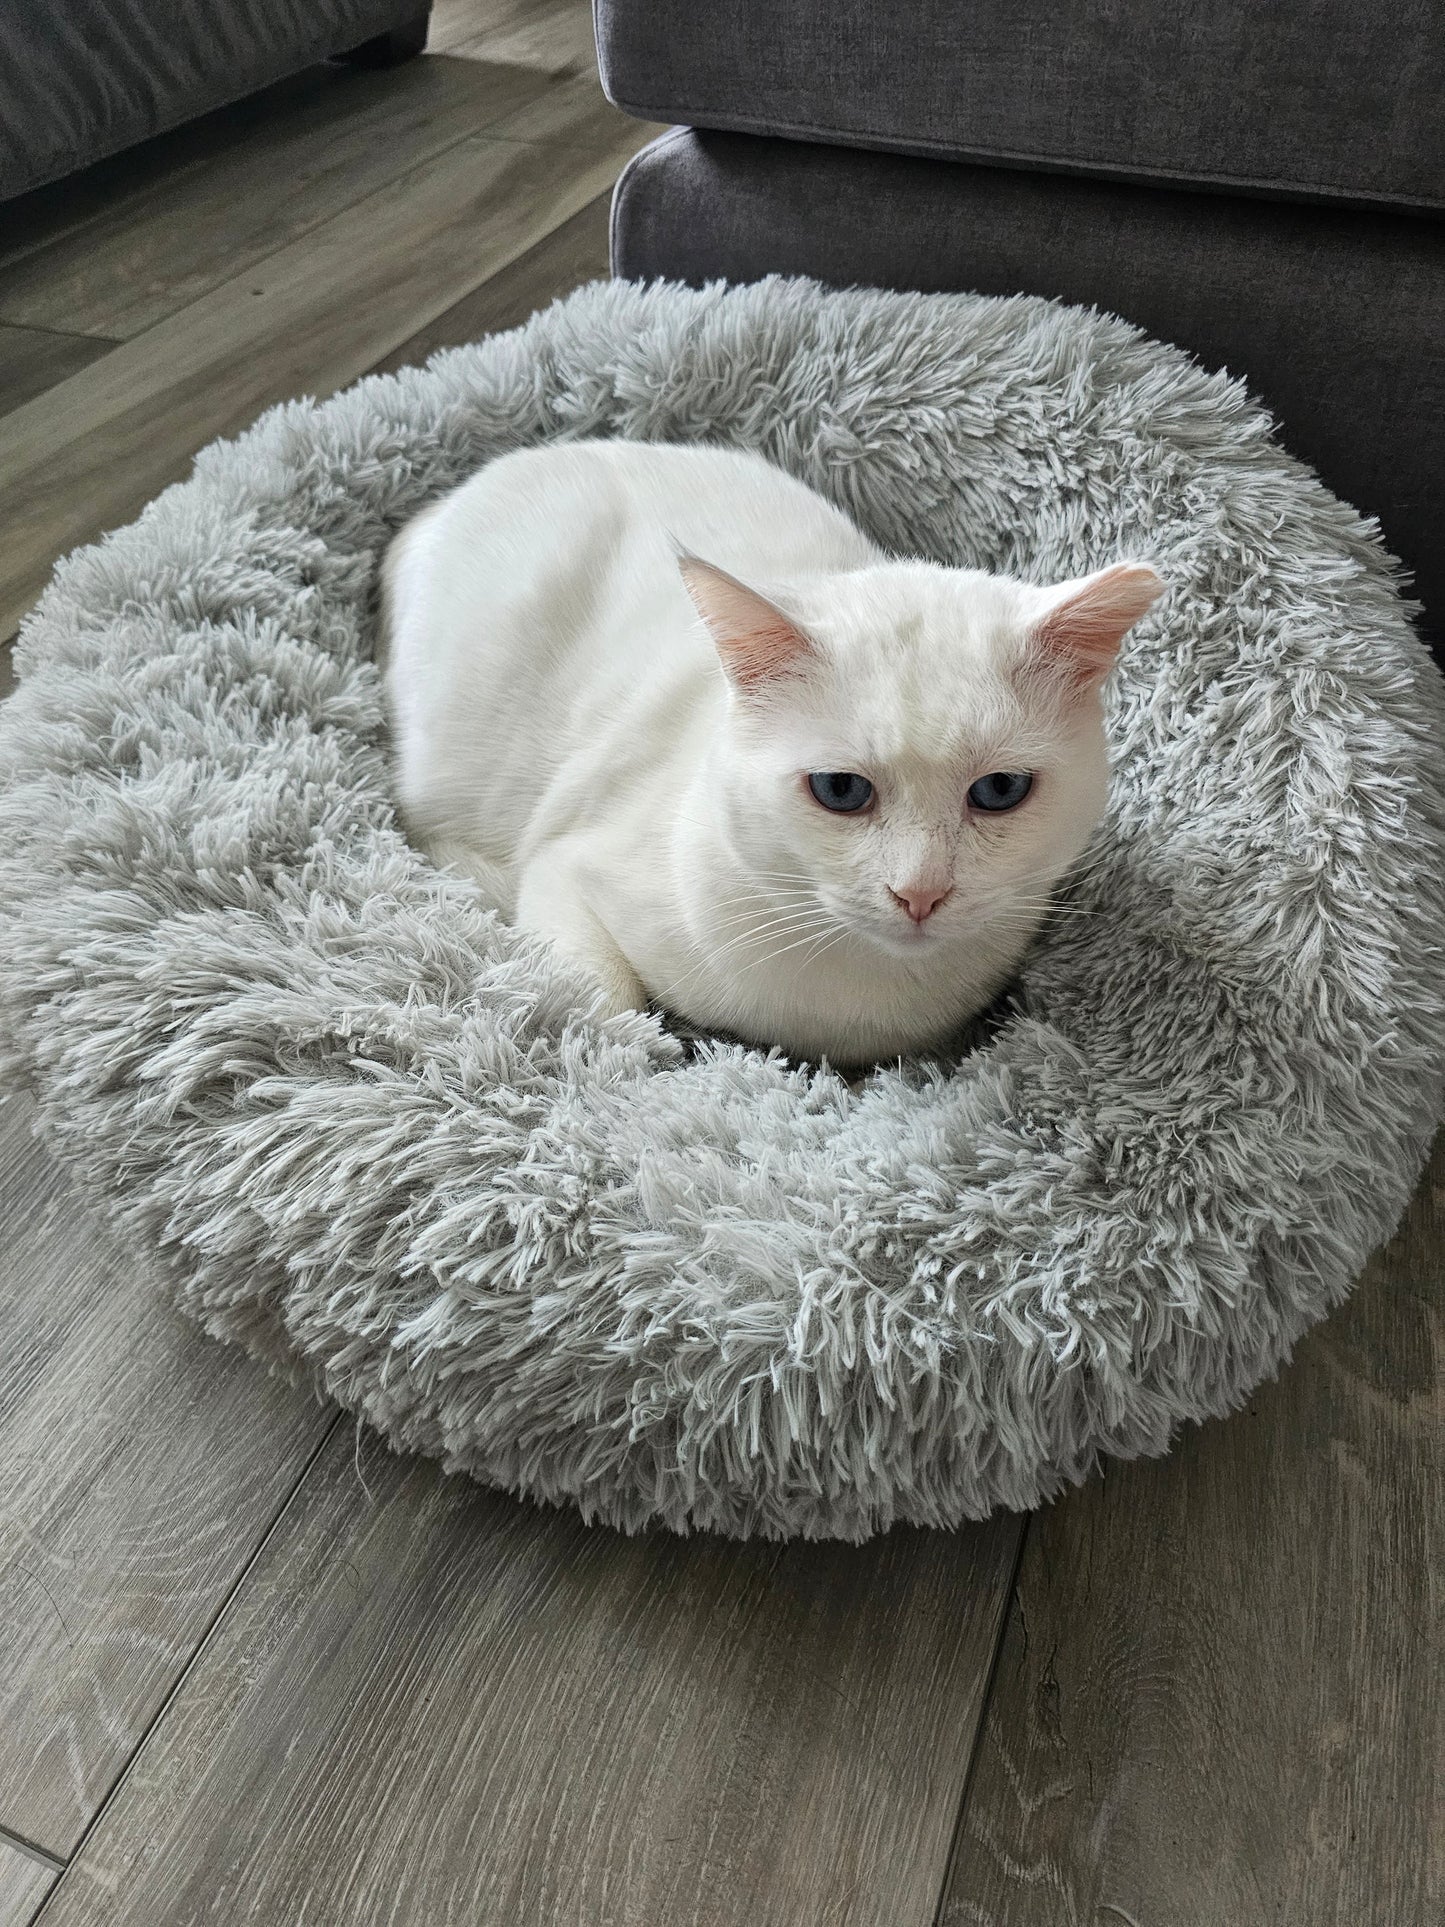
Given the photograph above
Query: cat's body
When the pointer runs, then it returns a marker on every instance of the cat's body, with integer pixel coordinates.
(616, 741)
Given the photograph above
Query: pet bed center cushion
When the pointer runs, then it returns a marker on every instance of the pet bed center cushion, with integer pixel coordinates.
(362, 1126)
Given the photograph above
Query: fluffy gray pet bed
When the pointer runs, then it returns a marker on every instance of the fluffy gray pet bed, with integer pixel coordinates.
(365, 1129)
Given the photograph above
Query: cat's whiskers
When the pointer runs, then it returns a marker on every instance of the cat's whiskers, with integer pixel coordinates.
(737, 940)
(1091, 865)
(809, 936)
(1020, 926)
(759, 902)
(1053, 909)
(747, 924)
(767, 896)
(1012, 899)
(734, 934)
(781, 927)
(828, 941)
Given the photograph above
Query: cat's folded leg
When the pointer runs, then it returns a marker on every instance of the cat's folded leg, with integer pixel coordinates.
(448, 853)
(550, 905)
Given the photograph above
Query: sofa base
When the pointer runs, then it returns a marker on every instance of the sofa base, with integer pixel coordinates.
(83, 81)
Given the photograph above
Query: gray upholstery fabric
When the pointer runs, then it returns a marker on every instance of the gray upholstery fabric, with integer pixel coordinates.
(1322, 98)
(84, 79)
(366, 1128)
(1334, 316)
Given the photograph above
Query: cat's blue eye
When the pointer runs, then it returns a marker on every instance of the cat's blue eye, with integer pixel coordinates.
(1001, 789)
(841, 789)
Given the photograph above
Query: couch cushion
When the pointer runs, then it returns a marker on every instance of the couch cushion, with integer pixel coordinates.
(1317, 98)
(1331, 314)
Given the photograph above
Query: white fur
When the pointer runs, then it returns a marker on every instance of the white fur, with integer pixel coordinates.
(566, 733)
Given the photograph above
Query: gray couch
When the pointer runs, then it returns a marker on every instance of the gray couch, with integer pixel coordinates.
(1263, 184)
(81, 79)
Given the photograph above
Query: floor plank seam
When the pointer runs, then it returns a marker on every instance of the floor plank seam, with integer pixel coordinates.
(59, 334)
(194, 160)
(1010, 1593)
(213, 1625)
(30, 1849)
(255, 267)
(584, 149)
(482, 137)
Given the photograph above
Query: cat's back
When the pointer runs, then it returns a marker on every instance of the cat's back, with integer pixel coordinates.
(552, 572)
(586, 502)
(578, 539)
(540, 605)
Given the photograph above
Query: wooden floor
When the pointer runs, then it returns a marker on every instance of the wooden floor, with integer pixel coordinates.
(254, 1669)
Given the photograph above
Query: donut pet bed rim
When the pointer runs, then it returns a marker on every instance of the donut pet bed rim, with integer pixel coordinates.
(356, 1123)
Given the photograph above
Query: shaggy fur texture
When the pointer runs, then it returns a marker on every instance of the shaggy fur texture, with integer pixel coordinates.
(367, 1131)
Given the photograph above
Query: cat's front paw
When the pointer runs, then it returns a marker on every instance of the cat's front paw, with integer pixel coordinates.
(608, 985)
(617, 993)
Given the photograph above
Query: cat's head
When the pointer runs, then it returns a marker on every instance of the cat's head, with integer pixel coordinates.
(920, 749)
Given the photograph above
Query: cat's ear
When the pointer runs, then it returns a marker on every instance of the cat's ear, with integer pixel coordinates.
(755, 640)
(1077, 627)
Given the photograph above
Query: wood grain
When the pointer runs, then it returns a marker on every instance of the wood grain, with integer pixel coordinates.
(87, 455)
(24, 1883)
(428, 1703)
(545, 36)
(34, 359)
(1221, 1699)
(33, 220)
(327, 145)
(572, 254)
(143, 1465)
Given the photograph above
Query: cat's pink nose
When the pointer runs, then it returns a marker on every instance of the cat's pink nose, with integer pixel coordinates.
(920, 900)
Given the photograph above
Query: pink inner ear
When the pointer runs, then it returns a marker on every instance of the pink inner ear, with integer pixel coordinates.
(755, 640)
(1082, 633)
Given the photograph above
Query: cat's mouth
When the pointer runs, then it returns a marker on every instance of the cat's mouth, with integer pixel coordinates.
(899, 937)
(893, 932)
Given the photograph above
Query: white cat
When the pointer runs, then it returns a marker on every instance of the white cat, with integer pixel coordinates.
(675, 713)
